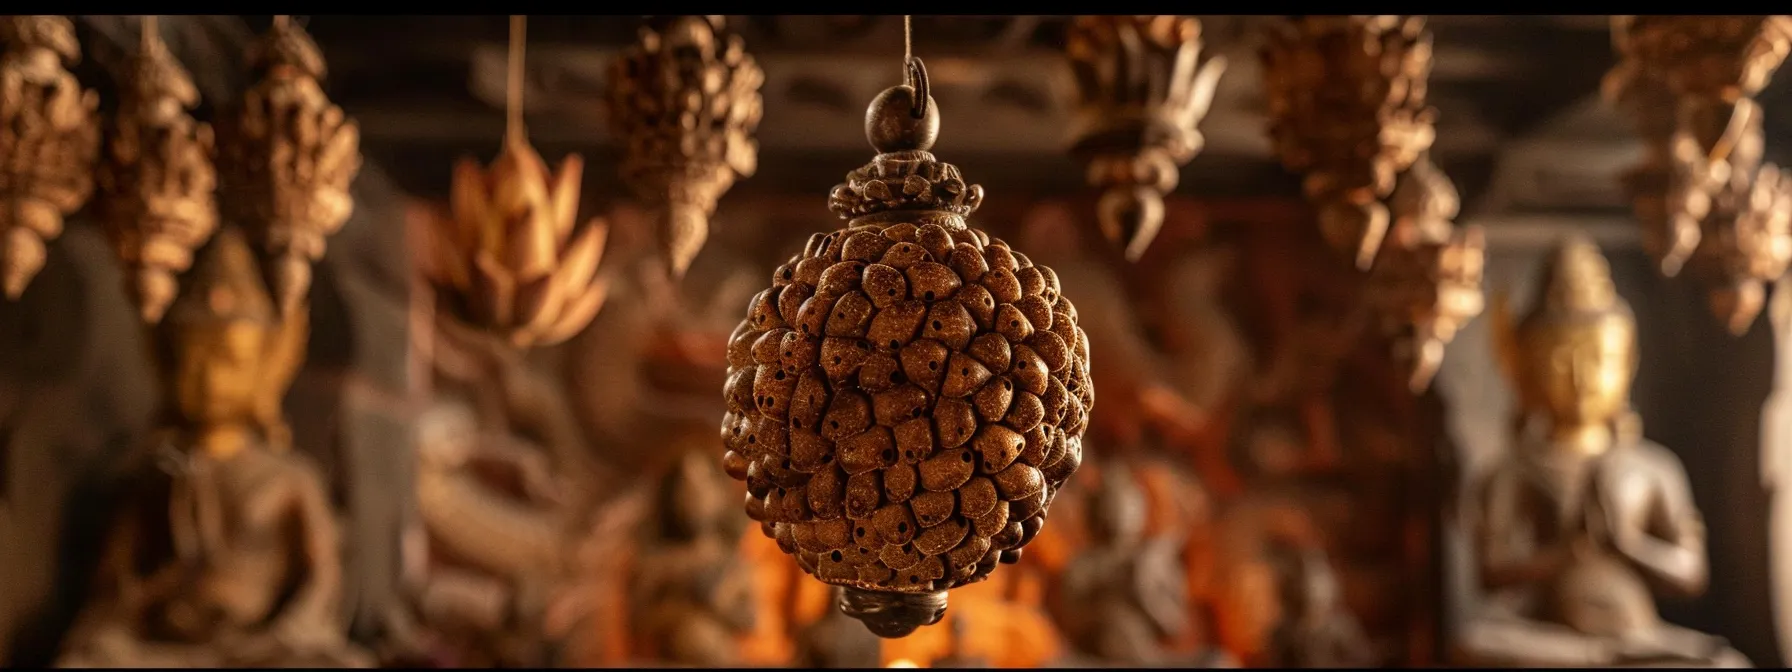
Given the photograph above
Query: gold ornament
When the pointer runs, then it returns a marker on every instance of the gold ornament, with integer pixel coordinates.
(1347, 109)
(512, 256)
(909, 395)
(288, 156)
(1705, 198)
(157, 180)
(49, 139)
(686, 97)
(1144, 88)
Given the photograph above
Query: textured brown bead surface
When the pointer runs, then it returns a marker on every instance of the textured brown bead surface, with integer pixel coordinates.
(903, 403)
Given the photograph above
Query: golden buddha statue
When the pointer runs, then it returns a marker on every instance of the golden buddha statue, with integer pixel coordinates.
(1578, 526)
(227, 555)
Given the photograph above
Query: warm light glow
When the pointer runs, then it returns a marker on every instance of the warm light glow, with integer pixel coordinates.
(902, 662)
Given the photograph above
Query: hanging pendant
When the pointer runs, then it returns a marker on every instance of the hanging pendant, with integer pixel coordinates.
(49, 140)
(156, 179)
(1144, 88)
(288, 156)
(1347, 110)
(1347, 99)
(686, 99)
(1704, 197)
(906, 399)
(513, 259)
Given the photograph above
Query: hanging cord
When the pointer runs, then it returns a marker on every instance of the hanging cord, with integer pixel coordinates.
(151, 32)
(908, 46)
(914, 74)
(513, 95)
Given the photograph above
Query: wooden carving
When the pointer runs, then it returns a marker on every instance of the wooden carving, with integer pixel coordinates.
(227, 553)
(1348, 109)
(513, 259)
(50, 141)
(157, 180)
(1704, 196)
(1143, 87)
(908, 396)
(1584, 521)
(288, 156)
(1427, 285)
(686, 97)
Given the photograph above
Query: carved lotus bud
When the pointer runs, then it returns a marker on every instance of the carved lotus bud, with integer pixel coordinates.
(49, 139)
(907, 397)
(512, 257)
(287, 157)
(157, 179)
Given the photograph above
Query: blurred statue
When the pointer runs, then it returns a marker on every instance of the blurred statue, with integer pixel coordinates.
(1316, 631)
(692, 595)
(228, 555)
(957, 656)
(837, 641)
(1584, 518)
(1126, 594)
(505, 491)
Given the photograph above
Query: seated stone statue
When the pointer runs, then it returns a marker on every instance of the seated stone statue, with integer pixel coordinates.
(692, 595)
(1578, 526)
(1126, 595)
(227, 555)
(1316, 631)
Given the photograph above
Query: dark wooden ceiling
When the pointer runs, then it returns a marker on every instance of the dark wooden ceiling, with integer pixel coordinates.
(428, 89)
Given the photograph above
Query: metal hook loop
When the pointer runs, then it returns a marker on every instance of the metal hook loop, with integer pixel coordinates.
(917, 76)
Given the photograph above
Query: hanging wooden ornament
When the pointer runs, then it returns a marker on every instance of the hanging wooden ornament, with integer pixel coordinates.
(1346, 97)
(1143, 89)
(1717, 205)
(1426, 284)
(288, 156)
(513, 258)
(1347, 107)
(686, 98)
(908, 396)
(49, 139)
(156, 178)
(1669, 234)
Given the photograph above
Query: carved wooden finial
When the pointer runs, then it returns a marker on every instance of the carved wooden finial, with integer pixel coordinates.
(909, 395)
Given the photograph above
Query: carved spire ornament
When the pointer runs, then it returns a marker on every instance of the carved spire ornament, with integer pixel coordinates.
(1704, 197)
(156, 179)
(49, 139)
(513, 258)
(686, 97)
(1143, 87)
(1347, 108)
(908, 396)
(288, 156)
